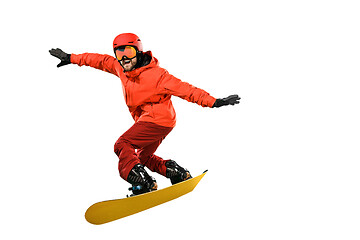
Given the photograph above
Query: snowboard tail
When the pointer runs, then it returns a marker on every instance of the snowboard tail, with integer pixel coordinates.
(107, 211)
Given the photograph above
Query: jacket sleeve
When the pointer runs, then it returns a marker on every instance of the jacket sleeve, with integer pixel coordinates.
(174, 86)
(104, 62)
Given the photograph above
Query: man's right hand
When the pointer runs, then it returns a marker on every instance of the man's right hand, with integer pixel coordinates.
(60, 54)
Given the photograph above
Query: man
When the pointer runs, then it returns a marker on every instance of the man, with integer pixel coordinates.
(147, 90)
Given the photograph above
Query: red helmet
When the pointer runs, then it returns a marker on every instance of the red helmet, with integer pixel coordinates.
(129, 39)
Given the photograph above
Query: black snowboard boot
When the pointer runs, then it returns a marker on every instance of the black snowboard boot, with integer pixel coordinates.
(140, 180)
(176, 173)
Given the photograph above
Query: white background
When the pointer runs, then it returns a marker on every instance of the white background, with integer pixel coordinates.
(284, 164)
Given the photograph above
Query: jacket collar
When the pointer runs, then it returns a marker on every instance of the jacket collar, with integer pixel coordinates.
(136, 72)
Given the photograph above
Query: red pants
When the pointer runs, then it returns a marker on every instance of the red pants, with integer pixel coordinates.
(146, 138)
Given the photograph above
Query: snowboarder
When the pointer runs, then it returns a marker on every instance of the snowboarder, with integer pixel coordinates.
(147, 90)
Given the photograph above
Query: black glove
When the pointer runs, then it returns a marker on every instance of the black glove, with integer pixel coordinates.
(64, 57)
(230, 100)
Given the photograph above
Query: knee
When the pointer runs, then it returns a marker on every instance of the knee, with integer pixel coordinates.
(119, 145)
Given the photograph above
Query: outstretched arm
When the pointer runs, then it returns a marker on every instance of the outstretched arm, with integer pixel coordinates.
(102, 62)
(175, 86)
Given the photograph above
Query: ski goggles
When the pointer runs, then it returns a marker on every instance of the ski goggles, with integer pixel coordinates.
(125, 51)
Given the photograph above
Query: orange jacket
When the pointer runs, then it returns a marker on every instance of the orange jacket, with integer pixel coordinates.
(148, 89)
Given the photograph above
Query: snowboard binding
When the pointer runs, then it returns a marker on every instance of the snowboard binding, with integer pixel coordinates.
(141, 181)
(176, 173)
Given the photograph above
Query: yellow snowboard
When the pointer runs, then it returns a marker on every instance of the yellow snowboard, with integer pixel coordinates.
(107, 211)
